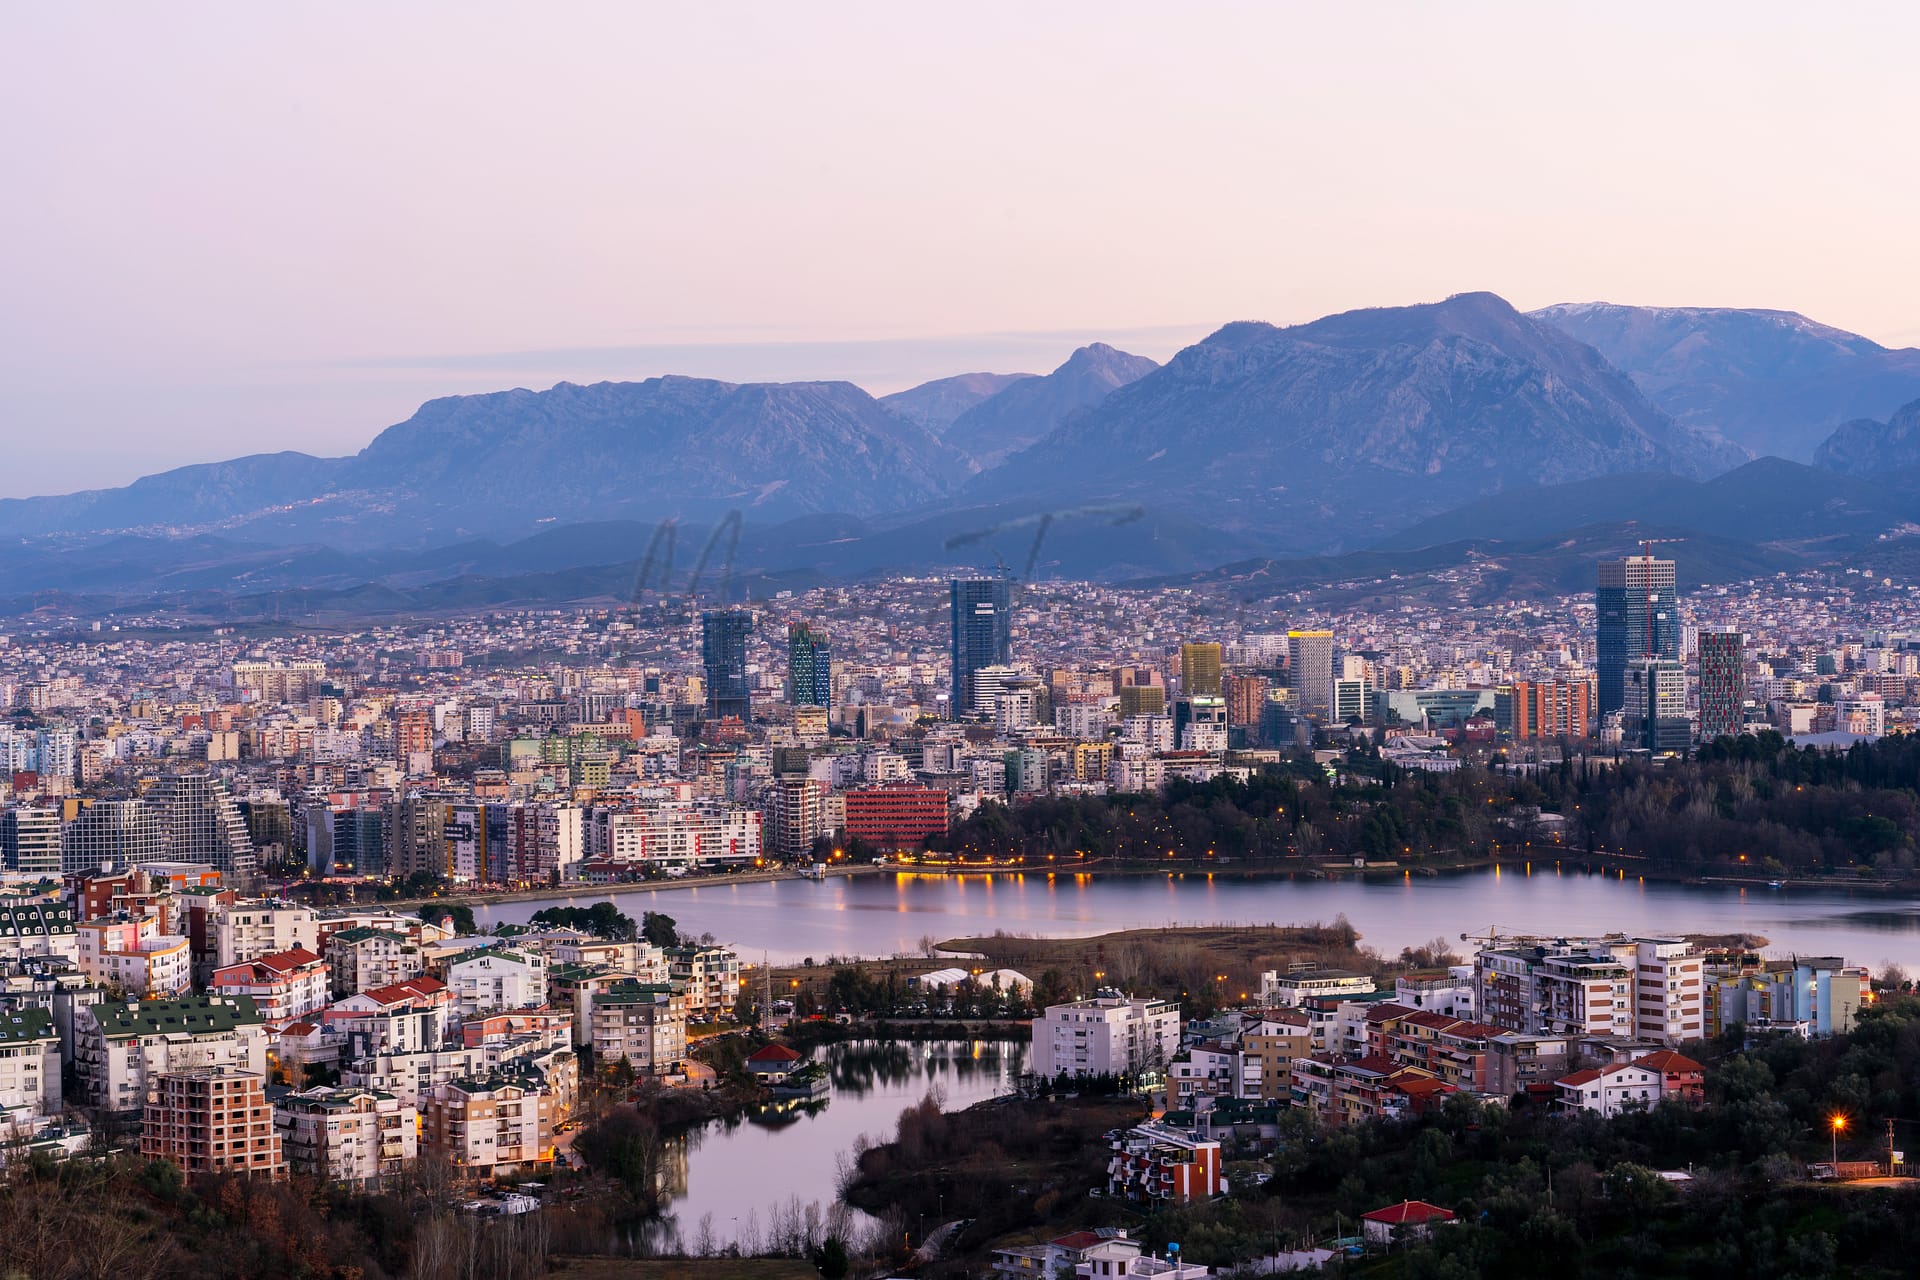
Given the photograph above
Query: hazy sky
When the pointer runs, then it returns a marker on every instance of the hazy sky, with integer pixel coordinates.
(248, 227)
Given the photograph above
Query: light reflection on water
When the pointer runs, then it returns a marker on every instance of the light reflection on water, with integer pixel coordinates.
(892, 914)
(735, 1174)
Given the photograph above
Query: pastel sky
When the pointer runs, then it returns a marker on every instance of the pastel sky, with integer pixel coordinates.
(233, 228)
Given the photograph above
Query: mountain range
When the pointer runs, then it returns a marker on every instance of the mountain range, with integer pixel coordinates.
(1456, 424)
(1773, 381)
(1865, 447)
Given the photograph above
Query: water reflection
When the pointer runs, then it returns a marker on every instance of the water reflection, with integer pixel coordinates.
(776, 1170)
(893, 914)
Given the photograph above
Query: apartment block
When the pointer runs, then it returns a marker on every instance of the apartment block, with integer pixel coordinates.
(214, 1120)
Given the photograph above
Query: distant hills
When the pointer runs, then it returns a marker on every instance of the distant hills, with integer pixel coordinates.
(932, 406)
(1347, 428)
(1864, 447)
(1767, 500)
(1451, 429)
(1027, 411)
(1773, 382)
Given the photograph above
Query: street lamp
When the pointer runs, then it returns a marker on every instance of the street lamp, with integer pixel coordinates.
(1839, 1125)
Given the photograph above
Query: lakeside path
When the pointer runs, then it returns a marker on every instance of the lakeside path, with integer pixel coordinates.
(1626, 868)
(596, 892)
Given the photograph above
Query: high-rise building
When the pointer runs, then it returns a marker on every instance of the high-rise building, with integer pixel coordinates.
(1723, 683)
(113, 833)
(412, 732)
(1200, 670)
(1655, 715)
(1639, 617)
(1143, 700)
(982, 616)
(1246, 695)
(809, 667)
(30, 841)
(1310, 672)
(723, 652)
(1529, 710)
(1352, 700)
(203, 823)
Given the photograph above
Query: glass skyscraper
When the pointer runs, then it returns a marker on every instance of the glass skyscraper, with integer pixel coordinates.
(723, 652)
(982, 633)
(809, 667)
(1639, 617)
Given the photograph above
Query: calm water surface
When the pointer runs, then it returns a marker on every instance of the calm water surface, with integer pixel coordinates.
(787, 920)
(740, 1175)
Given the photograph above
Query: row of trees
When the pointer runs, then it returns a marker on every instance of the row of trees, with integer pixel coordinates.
(1753, 802)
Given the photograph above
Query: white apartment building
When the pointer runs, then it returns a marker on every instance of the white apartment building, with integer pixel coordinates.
(118, 1045)
(493, 980)
(356, 1136)
(1610, 1090)
(249, 930)
(675, 834)
(644, 1024)
(283, 986)
(1646, 988)
(29, 1071)
(32, 929)
(639, 960)
(1668, 990)
(412, 1077)
(711, 978)
(365, 958)
(1107, 1035)
(1287, 990)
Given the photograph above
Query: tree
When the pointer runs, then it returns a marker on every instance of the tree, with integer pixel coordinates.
(659, 929)
(459, 913)
(831, 1258)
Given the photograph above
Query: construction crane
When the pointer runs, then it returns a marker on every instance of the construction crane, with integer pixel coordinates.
(1653, 597)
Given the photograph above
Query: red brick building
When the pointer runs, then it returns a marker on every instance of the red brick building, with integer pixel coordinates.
(212, 1121)
(896, 817)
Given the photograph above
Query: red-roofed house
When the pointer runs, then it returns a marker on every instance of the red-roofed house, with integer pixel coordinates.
(1681, 1078)
(284, 985)
(1614, 1088)
(1408, 1220)
(774, 1063)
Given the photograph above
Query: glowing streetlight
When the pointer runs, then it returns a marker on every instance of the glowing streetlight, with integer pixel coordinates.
(1839, 1123)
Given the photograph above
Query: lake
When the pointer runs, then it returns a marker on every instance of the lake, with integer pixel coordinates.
(733, 1180)
(891, 914)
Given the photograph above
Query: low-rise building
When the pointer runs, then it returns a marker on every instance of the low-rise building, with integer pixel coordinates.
(644, 1025)
(284, 986)
(497, 979)
(1108, 1035)
(29, 1071)
(1294, 987)
(500, 1124)
(1611, 1090)
(1155, 1163)
(1408, 1220)
(351, 1135)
